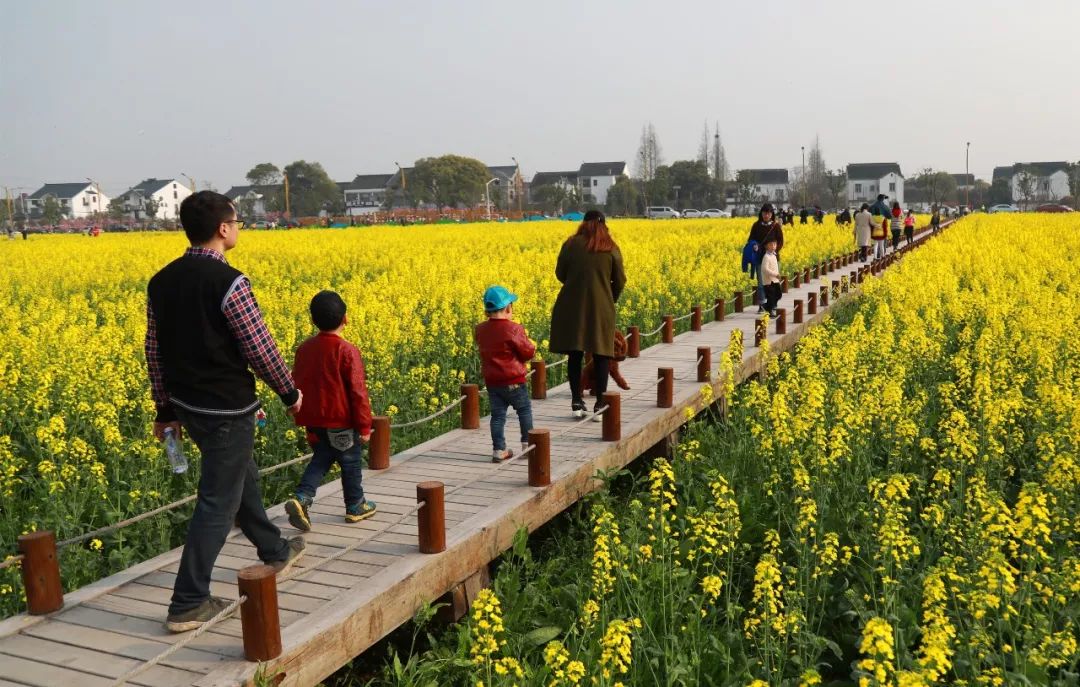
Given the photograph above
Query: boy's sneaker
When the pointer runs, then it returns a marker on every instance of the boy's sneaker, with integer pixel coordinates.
(296, 550)
(577, 409)
(297, 508)
(196, 617)
(597, 417)
(501, 456)
(360, 511)
(760, 309)
(524, 447)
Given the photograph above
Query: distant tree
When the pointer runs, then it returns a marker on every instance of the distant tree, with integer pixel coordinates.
(311, 189)
(1000, 192)
(264, 174)
(704, 149)
(649, 157)
(1074, 183)
(116, 209)
(980, 193)
(151, 206)
(720, 168)
(816, 183)
(746, 193)
(937, 185)
(550, 198)
(836, 184)
(448, 181)
(51, 212)
(624, 198)
(695, 185)
(1027, 187)
(658, 190)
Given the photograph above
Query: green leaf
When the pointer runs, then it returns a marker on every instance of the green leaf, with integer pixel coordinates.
(543, 635)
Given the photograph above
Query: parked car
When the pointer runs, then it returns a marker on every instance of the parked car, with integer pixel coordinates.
(1053, 207)
(1002, 207)
(288, 224)
(117, 227)
(690, 212)
(715, 212)
(261, 224)
(661, 212)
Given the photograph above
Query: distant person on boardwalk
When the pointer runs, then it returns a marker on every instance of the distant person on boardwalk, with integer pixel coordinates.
(896, 224)
(803, 214)
(766, 227)
(204, 330)
(819, 215)
(880, 208)
(590, 268)
(770, 268)
(935, 220)
(863, 229)
(504, 350)
(336, 412)
(909, 227)
(844, 217)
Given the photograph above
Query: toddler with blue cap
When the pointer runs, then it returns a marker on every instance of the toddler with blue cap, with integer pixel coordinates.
(504, 349)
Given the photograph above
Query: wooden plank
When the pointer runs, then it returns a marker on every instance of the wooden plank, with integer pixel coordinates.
(223, 582)
(156, 612)
(228, 647)
(43, 675)
(162, 595)
(95, 662)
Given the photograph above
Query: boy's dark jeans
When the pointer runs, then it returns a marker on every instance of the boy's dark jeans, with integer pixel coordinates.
(503, 397)
(323, 456)
(773, 292)
(228, 493)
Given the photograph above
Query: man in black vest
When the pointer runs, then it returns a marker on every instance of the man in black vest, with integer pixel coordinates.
(204, 330)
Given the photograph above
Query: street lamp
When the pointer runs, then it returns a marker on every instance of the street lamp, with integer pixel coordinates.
(676, 188)
(487, 196)
(803, 189)
(402, 173)
(190, 181)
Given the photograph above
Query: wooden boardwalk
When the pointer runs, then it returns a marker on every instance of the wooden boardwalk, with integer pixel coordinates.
(334, 613)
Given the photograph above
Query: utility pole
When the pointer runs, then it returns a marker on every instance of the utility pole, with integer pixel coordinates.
(285, 178)
(802, 184)
(518, 183)
(967, 179)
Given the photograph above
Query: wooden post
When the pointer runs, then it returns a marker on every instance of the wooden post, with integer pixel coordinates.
(806, 276)
(379, 447)
(823, 296)
(668, 332)
(470, 407)
(860, 275)
(612, 423)
(811, 304)
(755, 297)
(695, 318)
(781, 321)
(815, 271)
(797, 313)
(798, 280)
(539, 380)
(259, 613)
(853, 278)
(431, 518)
(783, 284)
(540, 458)
(759, 331)
(719, 310)
(633, 342)
(835, 288)
(704, 357)
(665, 390)
(738, 301)
(41, 572)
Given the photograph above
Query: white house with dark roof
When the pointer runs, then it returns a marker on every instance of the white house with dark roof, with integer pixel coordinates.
(565, 180)
(253, 201)
(1050, 180)
(77, 200)
(595, 179)
(768, 184)
(366, 193)
(866, 180)
(168, 193)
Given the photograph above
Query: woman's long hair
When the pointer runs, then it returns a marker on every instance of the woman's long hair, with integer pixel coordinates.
(595, 231)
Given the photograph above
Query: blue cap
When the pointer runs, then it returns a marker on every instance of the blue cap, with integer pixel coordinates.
(497, 298)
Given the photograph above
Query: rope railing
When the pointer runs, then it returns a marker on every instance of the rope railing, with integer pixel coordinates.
(437, 413)
(14, 559)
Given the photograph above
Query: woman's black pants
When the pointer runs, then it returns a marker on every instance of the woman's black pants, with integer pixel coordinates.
(600, 374)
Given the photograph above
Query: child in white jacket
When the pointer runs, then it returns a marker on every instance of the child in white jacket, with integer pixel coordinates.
(770, 276)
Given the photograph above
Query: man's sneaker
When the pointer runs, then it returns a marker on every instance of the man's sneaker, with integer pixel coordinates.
(196, 617)
(524, 447)
(597, 416)
(297, 508)
(296, 550)
(760, 309)
(577, 409)
(360, 511)
(501, 456)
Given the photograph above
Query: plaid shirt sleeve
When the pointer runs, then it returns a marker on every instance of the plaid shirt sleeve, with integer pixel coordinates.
(256, 344)
(165, 412)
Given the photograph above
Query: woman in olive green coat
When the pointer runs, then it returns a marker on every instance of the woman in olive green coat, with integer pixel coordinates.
(583, 320)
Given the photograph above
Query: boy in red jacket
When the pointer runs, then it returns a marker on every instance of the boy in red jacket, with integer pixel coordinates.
(336, 412)
(504, 350)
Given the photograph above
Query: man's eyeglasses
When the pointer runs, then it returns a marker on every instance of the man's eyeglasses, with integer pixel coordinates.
(240, 224)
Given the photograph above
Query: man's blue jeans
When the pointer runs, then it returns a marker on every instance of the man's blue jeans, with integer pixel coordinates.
(228, 493)
(323, 456)
(503, 397)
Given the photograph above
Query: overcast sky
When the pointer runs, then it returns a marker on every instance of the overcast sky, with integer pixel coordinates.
(121, 91)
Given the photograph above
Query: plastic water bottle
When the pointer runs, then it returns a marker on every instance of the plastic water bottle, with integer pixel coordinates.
(174, 452)
(260, 418)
